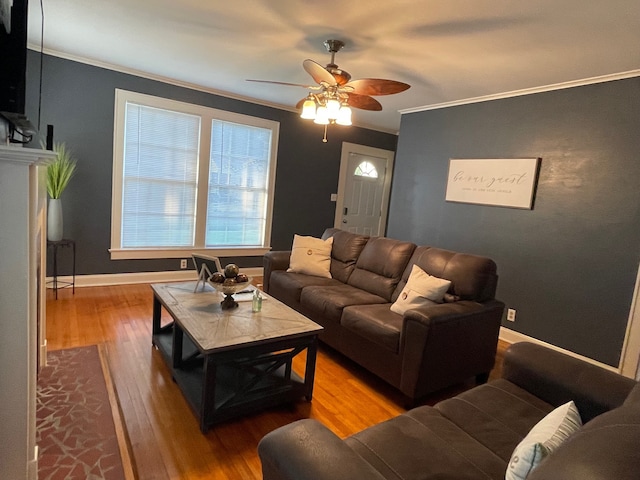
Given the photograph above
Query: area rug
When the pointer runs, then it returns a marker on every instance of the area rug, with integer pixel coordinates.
(79, 432)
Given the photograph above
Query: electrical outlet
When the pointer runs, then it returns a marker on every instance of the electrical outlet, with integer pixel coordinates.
(511, 315)
(183, 263)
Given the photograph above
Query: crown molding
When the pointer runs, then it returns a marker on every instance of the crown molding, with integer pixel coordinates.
(526, 91)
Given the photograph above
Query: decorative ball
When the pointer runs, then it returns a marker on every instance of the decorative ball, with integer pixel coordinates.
(217, 277)
(242, 278)
(231, 270)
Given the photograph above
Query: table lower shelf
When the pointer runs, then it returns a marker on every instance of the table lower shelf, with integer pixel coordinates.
(243, 385)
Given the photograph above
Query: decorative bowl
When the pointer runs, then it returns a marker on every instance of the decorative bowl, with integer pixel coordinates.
(228, 291)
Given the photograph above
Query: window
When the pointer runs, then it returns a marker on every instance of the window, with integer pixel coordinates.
(189, 178)
(366, 169)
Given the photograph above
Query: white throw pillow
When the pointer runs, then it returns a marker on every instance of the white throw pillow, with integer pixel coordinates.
(546, 436)
(311, 256)
(421, 289)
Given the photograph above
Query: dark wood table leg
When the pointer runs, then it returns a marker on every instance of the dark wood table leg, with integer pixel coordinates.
(157, 315)
(208, 402)
(176, 350)
(310, 369)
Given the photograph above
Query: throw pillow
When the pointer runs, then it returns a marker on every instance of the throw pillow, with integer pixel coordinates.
(546, 436)
(421, 289)
(311, 256)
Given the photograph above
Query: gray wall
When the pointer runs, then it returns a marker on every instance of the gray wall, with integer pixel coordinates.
(78, 100)
(569, 265)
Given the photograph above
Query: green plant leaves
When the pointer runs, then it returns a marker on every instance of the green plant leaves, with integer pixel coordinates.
(60, 170)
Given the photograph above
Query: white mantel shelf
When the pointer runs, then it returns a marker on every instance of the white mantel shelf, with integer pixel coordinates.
(24, 155)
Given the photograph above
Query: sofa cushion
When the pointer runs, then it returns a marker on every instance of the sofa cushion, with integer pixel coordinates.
(605, 448)
(634, 396)
(380, 266)
(472, 277)
(287, 286)
(422, 444)
(421, 289)
(311, 256)
(328, 301)
(545, 437)
(345, 252)
(376, 323)
(498, 414)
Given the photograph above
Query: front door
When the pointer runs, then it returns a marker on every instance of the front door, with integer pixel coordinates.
(363, 189)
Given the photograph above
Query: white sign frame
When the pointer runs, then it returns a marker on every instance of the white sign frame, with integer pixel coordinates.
(204, 265)
(500, 182)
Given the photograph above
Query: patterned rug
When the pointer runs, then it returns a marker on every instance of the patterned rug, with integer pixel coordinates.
(78, 429)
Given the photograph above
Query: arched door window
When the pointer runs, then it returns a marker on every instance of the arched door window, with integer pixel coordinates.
(366, 169)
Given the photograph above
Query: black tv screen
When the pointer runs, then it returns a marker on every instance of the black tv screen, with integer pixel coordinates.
(13, 55)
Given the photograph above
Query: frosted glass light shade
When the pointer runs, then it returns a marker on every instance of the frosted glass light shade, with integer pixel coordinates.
(333, 108)
(344, 116)
(322, 116)
(308, 109)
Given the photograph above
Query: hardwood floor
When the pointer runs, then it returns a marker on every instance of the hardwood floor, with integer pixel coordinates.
(164, 437)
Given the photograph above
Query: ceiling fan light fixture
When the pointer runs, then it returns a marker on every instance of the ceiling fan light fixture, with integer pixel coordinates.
(344, 115)
(333, 108)
(322, 116)
(309, 109)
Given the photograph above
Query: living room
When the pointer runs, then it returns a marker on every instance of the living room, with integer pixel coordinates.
(568, 266)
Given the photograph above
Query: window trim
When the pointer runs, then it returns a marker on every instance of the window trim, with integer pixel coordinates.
(207, 114)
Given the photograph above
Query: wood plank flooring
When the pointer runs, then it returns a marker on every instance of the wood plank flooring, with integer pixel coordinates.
(163, 434)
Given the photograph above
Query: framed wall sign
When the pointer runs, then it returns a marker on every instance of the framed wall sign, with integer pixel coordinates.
(205, 266)
(502, 182)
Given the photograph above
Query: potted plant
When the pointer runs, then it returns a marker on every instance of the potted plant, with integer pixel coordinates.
(59, 173)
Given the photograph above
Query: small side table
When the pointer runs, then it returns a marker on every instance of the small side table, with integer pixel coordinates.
(65, 242)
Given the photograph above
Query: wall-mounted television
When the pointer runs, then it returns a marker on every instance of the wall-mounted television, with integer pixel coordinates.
(13, 55)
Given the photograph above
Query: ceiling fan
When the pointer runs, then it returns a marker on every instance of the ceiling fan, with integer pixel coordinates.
(330, 100)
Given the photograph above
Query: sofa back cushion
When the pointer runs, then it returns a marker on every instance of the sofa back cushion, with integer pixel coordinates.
(380, 265)
(606, 448)
(472, 277)
(634, 396)
(345, 252)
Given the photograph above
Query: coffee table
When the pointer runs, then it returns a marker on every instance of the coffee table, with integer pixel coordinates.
(232, 362)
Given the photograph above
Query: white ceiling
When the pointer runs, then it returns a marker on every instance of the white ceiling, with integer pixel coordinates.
(447, 50)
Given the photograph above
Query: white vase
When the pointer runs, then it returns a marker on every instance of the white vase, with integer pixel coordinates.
(54, 220)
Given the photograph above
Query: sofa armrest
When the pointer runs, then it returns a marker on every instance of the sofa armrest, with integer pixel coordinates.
(557, 378)
(272, 261)
(451, 312)
(307, 450)
(448, 342)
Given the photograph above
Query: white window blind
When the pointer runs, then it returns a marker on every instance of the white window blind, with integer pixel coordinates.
(190, 178)
(238, 174)
(160, 177)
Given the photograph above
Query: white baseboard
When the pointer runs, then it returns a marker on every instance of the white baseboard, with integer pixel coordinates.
(32, 465)
(511, 336)
(142, 277)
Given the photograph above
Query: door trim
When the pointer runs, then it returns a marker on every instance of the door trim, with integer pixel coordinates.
(389, 155)
(630, 357)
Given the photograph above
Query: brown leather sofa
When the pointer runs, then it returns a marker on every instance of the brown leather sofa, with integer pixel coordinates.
(472, 436)
(425, 349)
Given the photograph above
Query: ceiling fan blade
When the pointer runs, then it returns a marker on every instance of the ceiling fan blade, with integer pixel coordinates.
(284, 83)
(363, 102)
(376, 86)
(318, 72)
